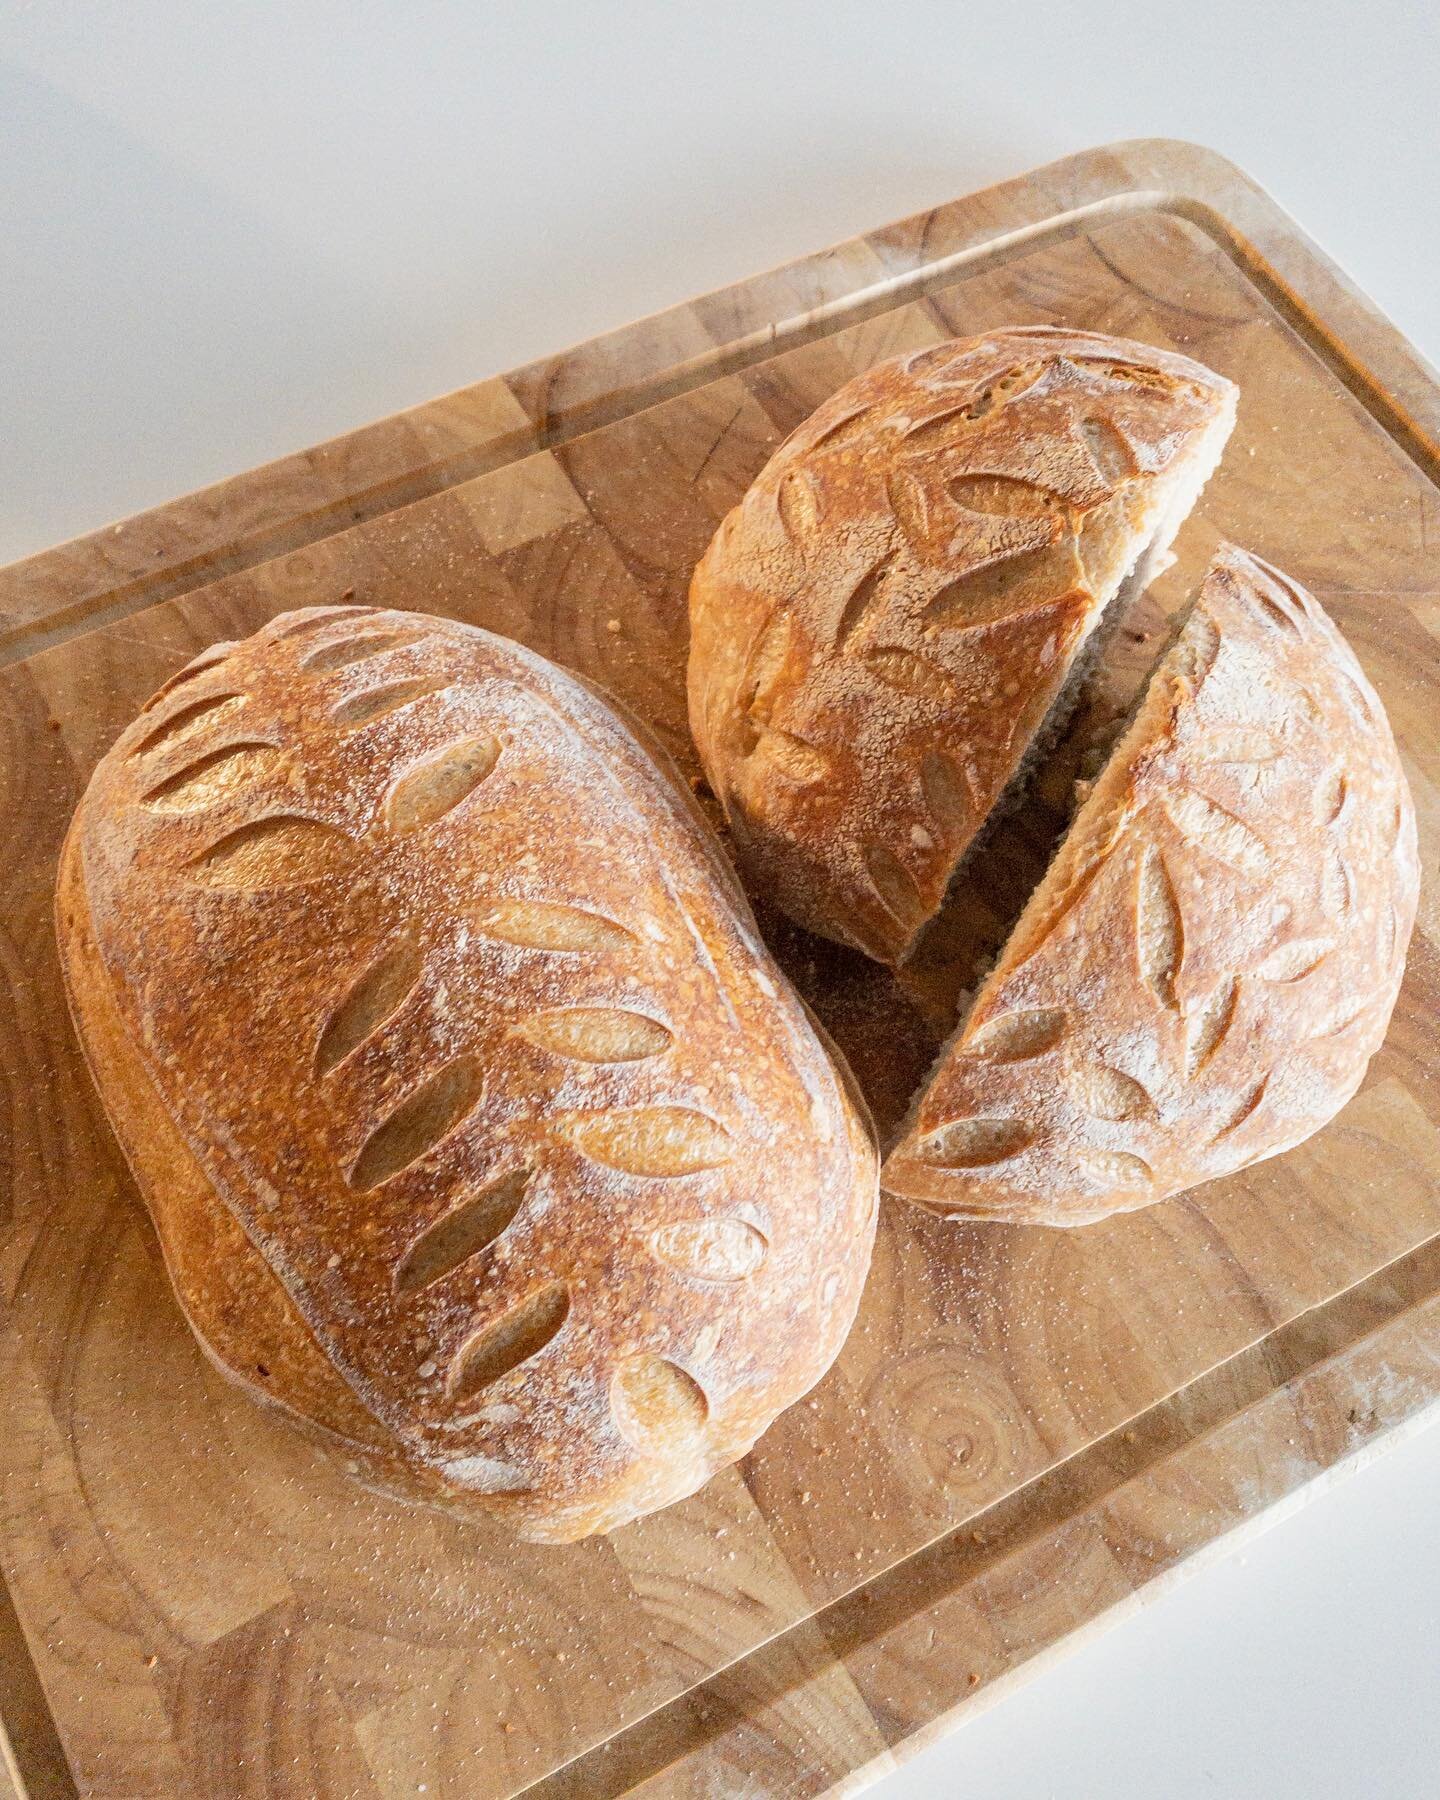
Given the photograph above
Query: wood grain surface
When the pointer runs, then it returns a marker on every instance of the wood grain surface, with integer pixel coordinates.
(1027, 1429)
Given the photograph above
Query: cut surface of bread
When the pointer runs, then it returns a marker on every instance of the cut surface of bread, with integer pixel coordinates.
(1212, 958)
(480, 1131)
(888, 620)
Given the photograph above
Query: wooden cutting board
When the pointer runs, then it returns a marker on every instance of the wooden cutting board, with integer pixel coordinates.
(1028, 1430)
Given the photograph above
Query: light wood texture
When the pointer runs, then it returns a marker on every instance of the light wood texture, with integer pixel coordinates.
(1028, 1430)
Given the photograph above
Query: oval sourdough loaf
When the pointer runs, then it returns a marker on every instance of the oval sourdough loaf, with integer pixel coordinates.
(480, 1131)
(890, 622)
(1212, 958)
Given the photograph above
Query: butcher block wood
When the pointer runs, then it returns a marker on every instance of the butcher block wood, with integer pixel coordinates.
(1029, 1431)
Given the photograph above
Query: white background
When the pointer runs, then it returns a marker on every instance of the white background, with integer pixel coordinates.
(229, 231)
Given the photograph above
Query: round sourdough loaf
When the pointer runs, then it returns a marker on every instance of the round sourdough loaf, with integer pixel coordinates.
(480, 1131)
(1213, 956)
(888, 624)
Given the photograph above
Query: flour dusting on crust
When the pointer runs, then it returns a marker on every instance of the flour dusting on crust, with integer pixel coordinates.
(453, 999)
(915, 571)
(1217, 946)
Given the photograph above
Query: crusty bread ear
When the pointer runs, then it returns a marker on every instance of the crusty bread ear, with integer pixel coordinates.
(480, 1131)
(891, 617)
(1212, 958)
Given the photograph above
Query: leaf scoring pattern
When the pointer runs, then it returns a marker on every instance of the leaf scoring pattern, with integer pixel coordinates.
(858, 604)
(1331, 795)
(799, 507)
(1109, 1093)
(1274, 612)
(656, 1140)
(426, 793)
(279, 851)
(543, 925)
(1017, 1036)
(1001, 496)
(378, 994)
(185, 719)
(711, 1249)
(212, 778)
(1295, 959)
(894, 885)
(1246, 1108)
(1199, 648)
(975, 1143)
(418, 1123)
(911, 506)
(1218, 833)
(377, 703)
(1109, 449)
(347, 650)
(1208, 1023)
(656, 1404)
(498, 1348)
(1342, 1018)
(844, 431)
(1059, 907)
(206, 662)
(461, 1233)
(1337, 885)
(767, 660)
(597, 1034)
(1159, 928)
(1116, 1170)
(1392, 941)
(945, 794)
(941, 428)
(1354, 696)
(792, 756)
(1026, 583)
(910, 674)
(317, 618)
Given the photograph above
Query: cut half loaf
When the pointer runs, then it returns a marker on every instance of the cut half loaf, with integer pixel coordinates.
(891, 617)
(1212, 958)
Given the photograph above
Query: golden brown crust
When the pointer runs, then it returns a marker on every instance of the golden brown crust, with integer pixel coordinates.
(462, 1092)
(1210, 963)
(882, 624)
(233, 1302)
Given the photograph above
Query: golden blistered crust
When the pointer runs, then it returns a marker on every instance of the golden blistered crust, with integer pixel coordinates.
(1212, 960)
(251, 1331)
(424, 1002)
(882, 624)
